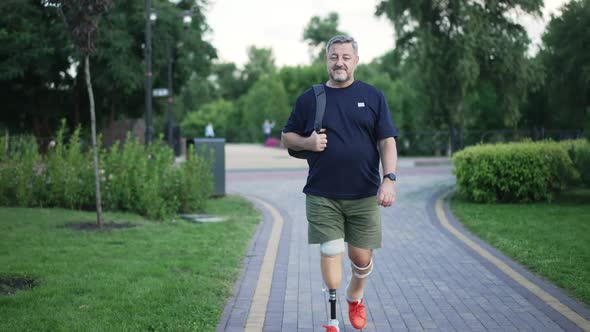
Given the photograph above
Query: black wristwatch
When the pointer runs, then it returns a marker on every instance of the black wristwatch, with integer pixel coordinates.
(390, 176)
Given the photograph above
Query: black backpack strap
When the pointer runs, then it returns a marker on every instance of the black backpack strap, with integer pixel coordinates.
(320, 107)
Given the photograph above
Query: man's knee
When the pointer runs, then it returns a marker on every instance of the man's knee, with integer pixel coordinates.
(363, 270)
(332, 248)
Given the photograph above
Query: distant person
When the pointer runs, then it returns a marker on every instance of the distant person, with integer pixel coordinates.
(209, 132)
(344, 189)
(267, 128)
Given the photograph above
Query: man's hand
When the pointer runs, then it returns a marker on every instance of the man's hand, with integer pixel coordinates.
(386, 193)
(316, 142)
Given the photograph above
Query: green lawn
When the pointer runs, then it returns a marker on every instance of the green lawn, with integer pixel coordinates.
(552, 240)
(170, 276)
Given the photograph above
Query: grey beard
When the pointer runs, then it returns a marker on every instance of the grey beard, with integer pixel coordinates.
(340, 79)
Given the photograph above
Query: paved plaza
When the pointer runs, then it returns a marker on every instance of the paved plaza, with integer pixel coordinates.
(425, 278)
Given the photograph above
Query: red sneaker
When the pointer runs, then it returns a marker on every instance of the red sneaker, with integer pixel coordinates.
(357, 314)
(330, 328)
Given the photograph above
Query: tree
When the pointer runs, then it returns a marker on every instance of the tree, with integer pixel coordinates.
(317, 33)
(261, 62)
(265, 99)
(228, 80)
(300, 78)
(42, 79)
(566, 56)
(34, 62)
(217, 112)
(455, 44)
(81, 19)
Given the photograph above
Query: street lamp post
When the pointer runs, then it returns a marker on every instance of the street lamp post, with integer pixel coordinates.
(148, 71)
(150, 19)
(171, 119)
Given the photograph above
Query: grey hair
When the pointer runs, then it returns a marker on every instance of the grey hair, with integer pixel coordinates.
(341, 39)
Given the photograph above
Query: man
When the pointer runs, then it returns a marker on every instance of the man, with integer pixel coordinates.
(267, 128)
(209, 132)
(343, 178)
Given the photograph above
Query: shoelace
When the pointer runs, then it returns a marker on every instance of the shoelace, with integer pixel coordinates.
(357, 309)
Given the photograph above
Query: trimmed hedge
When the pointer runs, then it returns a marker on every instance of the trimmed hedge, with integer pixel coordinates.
(579, 152)
(518, 172)
(135, 178)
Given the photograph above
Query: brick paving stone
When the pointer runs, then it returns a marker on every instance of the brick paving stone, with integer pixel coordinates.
(424, 279)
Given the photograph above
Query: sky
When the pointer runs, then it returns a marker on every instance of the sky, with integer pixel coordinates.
(238, 24)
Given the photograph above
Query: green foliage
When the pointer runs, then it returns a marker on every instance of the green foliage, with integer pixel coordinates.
(516, 172)
(566, 57)
(34, 53)
(37, 57)
(70, 175)
(317, 33)
(229, 81)
(456, 45)
(148, 182)
(579, 152)
(217, 112)
(193, 183)
(298, 79)
(267, 99)
(261, 62)
(19, 180)
(134, 178)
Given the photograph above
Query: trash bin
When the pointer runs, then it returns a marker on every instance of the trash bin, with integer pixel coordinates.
(203, 148)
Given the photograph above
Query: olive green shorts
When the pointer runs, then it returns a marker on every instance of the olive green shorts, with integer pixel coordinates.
(357, 221)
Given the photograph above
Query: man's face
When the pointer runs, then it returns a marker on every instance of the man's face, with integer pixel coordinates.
(342, 61)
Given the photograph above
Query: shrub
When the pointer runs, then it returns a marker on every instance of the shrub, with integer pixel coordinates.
(579, 152)
(20, 172)
(515, 172)
(69, 173)
(136, 178)
(194, 182)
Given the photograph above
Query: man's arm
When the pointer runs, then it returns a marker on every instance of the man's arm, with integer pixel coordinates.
(314, 142)
(388, 152)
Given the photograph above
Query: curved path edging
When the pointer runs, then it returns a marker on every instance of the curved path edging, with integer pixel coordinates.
(548, 294)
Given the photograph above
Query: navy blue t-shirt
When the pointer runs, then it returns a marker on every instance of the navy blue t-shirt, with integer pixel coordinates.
(356, 118)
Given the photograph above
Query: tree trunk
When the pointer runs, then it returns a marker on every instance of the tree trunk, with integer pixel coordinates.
(94, 147)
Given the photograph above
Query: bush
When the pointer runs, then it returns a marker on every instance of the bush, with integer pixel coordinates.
(515, 172)
(19, 172)
(579, 152)
(69, 173)
(133, 178)
(193, 183)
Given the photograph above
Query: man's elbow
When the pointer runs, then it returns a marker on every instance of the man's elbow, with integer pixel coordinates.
(285, 139)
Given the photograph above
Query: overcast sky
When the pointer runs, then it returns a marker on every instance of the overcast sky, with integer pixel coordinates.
(279, 25)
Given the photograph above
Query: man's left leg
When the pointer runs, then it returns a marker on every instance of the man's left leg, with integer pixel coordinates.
(362, 266)
(363, 234)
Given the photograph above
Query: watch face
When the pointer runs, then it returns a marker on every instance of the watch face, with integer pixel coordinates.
(390, 176)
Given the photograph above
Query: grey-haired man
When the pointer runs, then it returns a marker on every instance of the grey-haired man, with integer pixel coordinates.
(344, 178)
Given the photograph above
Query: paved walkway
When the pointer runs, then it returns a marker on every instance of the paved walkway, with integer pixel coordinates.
(426, 277)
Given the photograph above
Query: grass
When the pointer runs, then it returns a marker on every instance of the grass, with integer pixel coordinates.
(171, 276)
(552, 240)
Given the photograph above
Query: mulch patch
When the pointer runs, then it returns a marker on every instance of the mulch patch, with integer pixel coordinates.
(92, 226)
(12, 284)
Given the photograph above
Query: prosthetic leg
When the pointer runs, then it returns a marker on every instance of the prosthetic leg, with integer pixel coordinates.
(333, 323)
(329, 249)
